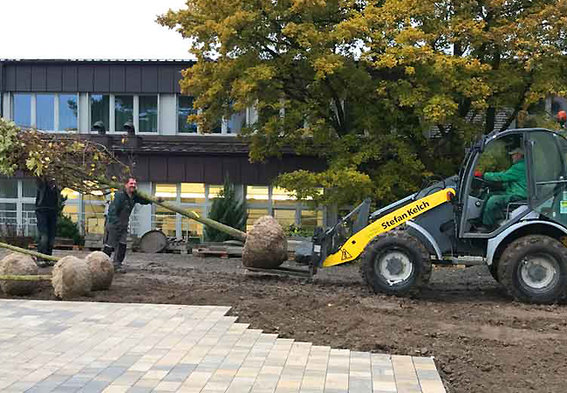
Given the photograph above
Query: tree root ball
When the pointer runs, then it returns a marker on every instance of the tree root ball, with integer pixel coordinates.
(71, 277)
(102, 270)
(266, 244)
(21, 265)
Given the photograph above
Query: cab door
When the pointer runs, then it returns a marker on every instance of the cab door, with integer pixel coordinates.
(548, 162)
(495, 157)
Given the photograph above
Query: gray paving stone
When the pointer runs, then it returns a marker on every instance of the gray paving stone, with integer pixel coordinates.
(67, 346)
(138, 389)
(95, 386)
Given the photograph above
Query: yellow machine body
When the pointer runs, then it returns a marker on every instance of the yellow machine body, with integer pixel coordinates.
(356, 244)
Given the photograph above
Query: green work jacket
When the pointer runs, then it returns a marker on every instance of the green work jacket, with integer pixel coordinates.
(121, 207)
(514, 179)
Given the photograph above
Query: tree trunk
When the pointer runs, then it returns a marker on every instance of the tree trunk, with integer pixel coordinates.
(195, 216)
(28, 252)
(13, 277)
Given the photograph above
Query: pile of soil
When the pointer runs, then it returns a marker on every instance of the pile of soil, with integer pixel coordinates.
(482, 341)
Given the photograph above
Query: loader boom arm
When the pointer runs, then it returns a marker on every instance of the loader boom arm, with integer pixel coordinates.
(356, 244)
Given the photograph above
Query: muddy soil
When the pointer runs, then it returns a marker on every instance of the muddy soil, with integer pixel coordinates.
(482, 341)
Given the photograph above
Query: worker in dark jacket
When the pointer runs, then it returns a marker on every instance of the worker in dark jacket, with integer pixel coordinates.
(46, 204)
(117, 220)
(515, 188)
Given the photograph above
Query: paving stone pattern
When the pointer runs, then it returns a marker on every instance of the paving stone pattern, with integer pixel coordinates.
(104, 347)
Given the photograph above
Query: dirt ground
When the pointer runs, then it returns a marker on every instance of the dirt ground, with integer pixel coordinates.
(482, 341)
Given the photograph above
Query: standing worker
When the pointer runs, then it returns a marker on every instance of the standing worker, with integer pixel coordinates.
(46, 205)
(116, 230)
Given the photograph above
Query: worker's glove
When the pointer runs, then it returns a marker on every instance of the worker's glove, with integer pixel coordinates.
(478, 174)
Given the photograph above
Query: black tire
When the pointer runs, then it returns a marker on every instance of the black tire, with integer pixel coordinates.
(533, 269)
(395, 243)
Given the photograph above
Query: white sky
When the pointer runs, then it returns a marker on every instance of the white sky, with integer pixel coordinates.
(88, 29)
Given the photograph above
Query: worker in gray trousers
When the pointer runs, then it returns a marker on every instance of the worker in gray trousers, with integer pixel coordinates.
(116, 227)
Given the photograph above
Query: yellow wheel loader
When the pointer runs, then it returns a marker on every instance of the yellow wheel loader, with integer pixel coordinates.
(443, 224)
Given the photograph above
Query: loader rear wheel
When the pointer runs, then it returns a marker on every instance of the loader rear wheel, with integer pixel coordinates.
(533, 269)
(395, 263)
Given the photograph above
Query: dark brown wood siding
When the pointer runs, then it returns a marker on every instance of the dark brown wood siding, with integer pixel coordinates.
(210, 169)
(91, 76)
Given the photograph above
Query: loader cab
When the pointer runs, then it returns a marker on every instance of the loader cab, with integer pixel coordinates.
(497, 189)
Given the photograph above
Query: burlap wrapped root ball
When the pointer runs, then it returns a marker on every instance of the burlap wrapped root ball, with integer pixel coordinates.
(20, 265)
(102, 270)
(266, 244)
(71, 277)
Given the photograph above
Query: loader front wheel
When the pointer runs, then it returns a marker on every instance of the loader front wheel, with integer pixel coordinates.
(533, 269)
(395, 263)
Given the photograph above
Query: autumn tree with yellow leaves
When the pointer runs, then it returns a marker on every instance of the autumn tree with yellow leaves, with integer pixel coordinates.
(386, 92)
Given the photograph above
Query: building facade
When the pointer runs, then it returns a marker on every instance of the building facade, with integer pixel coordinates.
(172, 159)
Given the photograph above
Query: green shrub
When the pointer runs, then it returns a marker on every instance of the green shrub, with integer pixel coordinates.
(227, 209)
(298, 231)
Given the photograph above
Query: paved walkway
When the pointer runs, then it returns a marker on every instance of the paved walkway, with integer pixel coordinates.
(94, 347)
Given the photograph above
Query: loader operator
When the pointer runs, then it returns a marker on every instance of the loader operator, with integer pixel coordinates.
(515, 189)
(116, 230)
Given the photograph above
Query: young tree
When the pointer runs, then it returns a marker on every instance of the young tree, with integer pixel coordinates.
(72, 161)
(228, 209)
(386, 92)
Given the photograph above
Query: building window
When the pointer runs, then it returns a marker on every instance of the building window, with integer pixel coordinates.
(235, 123)
(100, 109)
(29, 188)
(253, 215)
(286, 217)
(22, 110)
(282, 205)
(191, 228)
(94, 208)
(45, 112)
(257, 194)
(193, 193)
(123, 111)
(197, 197)
(184, 110)
(148, 114)
(8, 188)
(9, 219)
(142, 111)
(165, 219)
(17, 207)
(257, 204)
(68, 112)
